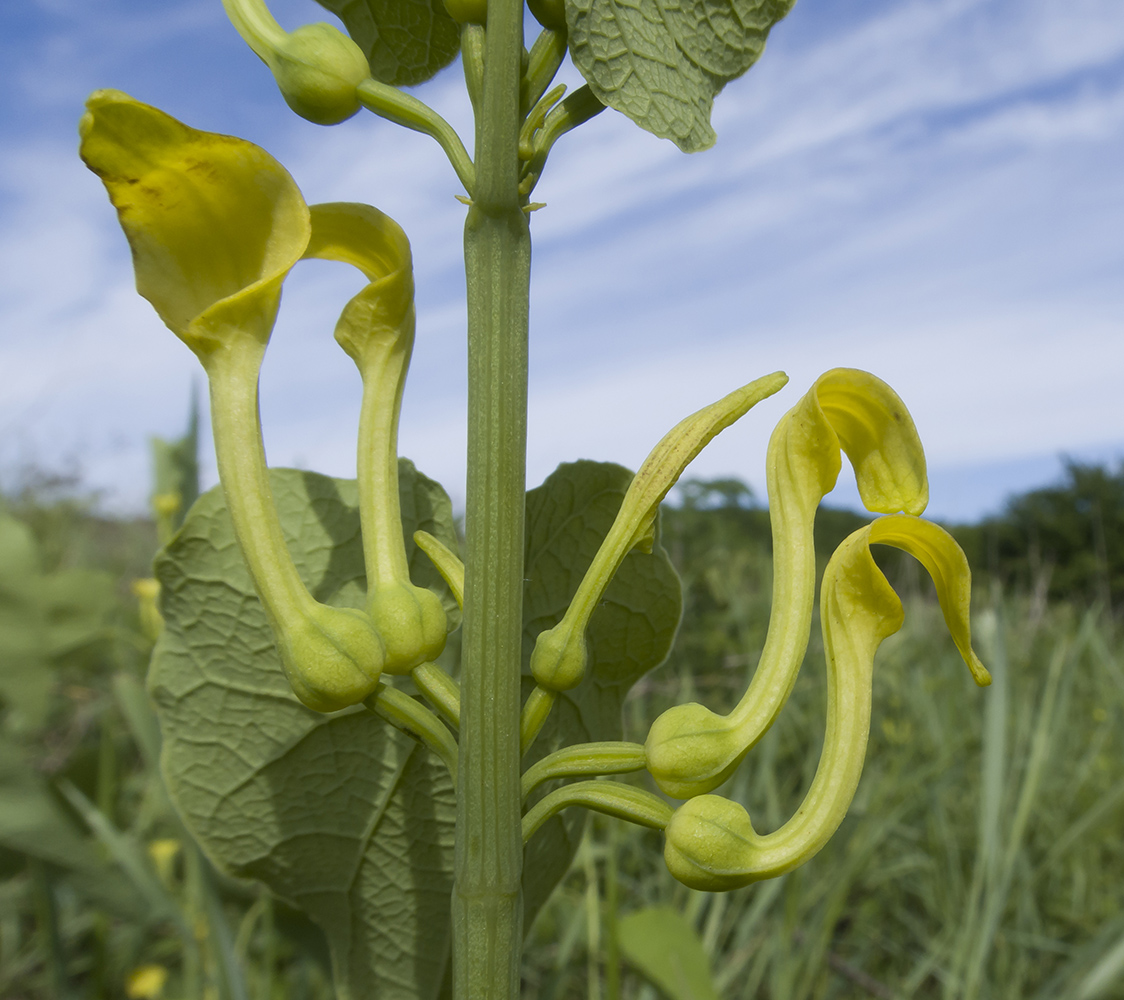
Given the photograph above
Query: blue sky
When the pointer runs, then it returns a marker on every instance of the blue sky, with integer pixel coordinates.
(932, 190)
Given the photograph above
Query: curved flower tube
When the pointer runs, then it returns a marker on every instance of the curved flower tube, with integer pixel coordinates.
(215, 224)
(711, 843)
(376, 329)
(558, 660)
(692, 750)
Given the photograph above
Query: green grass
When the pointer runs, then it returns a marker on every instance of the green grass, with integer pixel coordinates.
(983, 856)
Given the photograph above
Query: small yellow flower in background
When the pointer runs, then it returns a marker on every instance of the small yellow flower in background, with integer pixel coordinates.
(166, 506)
(163, 853)
(146, 982)
(146, 588)
(147, 592)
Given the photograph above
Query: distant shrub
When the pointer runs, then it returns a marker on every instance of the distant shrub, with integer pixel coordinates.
(1063, 541)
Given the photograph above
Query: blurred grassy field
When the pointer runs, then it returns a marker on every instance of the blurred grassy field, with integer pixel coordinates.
(983, 856)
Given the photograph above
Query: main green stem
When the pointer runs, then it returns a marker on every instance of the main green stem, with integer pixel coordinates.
(487, 903)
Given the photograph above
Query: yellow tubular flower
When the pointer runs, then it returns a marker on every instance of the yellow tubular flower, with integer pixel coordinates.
(558, 660)
(376, 330)
(692, 750)
(214, 222)
(711, 843)
(215, 225)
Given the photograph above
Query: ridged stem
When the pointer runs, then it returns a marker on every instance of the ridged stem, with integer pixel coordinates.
(487, 903)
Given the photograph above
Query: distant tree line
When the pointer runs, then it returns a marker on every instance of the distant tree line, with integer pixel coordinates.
(1064, 541)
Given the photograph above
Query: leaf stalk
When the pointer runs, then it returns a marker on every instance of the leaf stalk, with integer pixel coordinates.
(403, 109)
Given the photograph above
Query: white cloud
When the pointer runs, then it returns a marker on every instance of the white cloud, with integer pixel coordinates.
(928, 192)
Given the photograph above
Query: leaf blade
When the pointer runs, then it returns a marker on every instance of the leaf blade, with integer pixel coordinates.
(343, 816)
(662, 62)
(661, 944)
(629, 634)
(405, 41)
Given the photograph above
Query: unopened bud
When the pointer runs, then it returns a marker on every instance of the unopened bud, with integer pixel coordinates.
(318, 68)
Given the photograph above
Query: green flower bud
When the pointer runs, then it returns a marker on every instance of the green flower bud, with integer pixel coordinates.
(468, 11)
(559, 658)
(317, 67)
(411, 621)
(331, 656)
(549, 13)
(691, 750)
(710, 845)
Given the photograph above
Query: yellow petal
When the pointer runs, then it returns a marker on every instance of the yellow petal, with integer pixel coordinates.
(374, 243)
(878, 435)
(938, 552)
(214, 222)
(691, 749)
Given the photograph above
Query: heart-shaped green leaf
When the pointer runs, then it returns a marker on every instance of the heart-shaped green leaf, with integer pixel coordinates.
(629, 634)
(661, 62)
(405, 41)
(341, 815)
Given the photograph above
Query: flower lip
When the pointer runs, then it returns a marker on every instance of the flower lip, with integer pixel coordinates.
(874, 428)
(214, 222)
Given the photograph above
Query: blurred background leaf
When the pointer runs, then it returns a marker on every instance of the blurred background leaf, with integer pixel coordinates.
(982, 816)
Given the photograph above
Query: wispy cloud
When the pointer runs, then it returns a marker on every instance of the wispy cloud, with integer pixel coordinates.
(927, 189)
